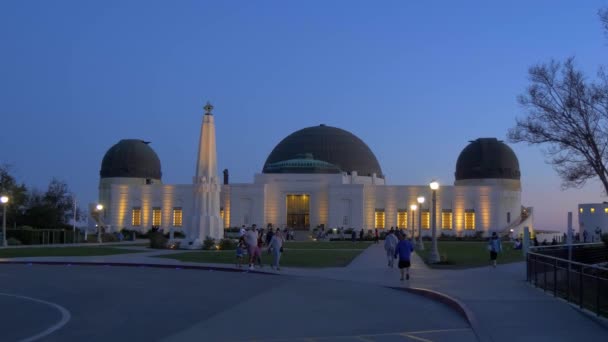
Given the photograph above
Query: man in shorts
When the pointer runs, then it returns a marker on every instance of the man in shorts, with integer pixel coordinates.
(404, 250)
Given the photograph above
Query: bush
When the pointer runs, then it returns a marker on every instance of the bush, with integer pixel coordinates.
(13, 242)
(176, 235)
(108, 237)
(209, 243)
(157, 240)
(227, 244)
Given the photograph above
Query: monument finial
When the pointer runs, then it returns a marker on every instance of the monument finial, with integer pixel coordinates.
(208, 108)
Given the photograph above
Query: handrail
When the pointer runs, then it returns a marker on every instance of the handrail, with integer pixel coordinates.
(570, 261)
(566, 245)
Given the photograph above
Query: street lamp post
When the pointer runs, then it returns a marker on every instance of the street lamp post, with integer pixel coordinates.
(434, 255)
(99, 208)
(420, 202)
(413, 207)
(4, 200)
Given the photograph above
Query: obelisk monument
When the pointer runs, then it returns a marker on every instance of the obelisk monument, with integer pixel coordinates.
(206, 221)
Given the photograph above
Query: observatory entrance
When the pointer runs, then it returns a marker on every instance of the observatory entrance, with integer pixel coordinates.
(298, 211)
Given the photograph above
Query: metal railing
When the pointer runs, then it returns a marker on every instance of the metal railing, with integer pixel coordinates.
(580, 283)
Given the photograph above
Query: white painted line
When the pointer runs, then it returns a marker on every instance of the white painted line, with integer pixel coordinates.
(65, 316)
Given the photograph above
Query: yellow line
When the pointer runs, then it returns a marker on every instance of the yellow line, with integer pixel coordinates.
(436, 331)
(416, 338)
(363, 338)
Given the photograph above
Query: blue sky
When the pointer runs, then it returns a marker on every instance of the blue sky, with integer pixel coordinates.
(415, 80)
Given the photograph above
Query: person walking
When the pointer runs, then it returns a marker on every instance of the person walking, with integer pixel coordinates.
(404, 250)
(353, 235)
(251, 239)
(390, 243)
(376, 236)
(495, 247)
(276, 247)
(361, 235)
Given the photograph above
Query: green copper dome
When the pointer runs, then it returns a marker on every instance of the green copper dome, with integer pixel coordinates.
(303, 163)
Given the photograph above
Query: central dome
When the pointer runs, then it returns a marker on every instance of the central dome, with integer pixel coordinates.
(331, 145)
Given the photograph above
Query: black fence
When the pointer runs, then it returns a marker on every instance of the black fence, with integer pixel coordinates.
(583, 284)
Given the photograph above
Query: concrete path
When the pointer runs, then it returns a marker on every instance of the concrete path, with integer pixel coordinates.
(505, 306)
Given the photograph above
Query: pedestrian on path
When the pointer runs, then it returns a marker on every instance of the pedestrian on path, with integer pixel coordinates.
(390, 243)
(276, 248)
(495, 247)
(376, 236)
(240, 252)
(404, 250)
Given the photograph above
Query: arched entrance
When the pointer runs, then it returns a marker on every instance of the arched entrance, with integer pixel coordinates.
(298, 211)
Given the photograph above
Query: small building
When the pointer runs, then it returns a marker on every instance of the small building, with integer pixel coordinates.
(592, 221)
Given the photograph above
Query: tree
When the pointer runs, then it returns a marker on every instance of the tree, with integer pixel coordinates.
(17, 194)
(568, 114)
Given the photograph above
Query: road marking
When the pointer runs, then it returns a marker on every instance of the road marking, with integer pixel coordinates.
(65, 316)
(363, 338)
(415, 338)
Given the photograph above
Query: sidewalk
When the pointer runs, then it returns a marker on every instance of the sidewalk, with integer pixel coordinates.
(89, 244)
(504, 305)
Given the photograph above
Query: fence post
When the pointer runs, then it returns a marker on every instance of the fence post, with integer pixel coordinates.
(580, 293)
(568, 284)
(597, 295)
(555, 278)
(545, 276)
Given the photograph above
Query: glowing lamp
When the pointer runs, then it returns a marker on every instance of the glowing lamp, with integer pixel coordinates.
(434, 185)
(413, 207)
(4, 199)
(420, 199)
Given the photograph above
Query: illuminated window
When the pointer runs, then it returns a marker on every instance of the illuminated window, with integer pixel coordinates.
(580, 210)
(156, 216)
(469, 219)
(426, 219)
(177, 217)
(592, 210)
(606, 210)
(446, 219)
(402, 218)
(136, 217)
(379, 218)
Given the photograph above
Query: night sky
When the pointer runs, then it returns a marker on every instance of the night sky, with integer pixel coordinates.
(415, 80)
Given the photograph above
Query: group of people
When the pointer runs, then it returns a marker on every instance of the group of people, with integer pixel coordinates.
(252, 241)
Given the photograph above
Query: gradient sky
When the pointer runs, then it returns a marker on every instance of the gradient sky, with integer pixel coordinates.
(415, 80)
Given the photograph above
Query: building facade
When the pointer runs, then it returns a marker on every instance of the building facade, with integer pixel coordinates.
(322, 176)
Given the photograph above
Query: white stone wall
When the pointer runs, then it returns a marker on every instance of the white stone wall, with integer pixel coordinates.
(335, 201)
(590, 221)
(124, 197)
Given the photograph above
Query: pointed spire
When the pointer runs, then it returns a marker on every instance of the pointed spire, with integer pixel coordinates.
(208, 108)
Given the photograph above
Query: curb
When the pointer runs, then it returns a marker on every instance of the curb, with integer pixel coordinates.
(126, 264)
(454, 304)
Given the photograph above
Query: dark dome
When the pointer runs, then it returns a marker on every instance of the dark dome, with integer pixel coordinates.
(131, 158)
(487, 158)
(331, 145)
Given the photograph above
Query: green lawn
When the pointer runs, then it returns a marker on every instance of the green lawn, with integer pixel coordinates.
(464, 254)
(61, 251)
(327, 245)
(291, 257)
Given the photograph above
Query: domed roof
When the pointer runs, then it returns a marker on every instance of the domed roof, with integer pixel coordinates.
(131, 158)
(487, 158)
(332, 145)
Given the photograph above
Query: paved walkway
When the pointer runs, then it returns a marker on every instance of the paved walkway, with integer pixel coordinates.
(505, 306)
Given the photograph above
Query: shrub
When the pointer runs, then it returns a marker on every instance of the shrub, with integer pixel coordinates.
(227, 244)
(157, 240)
(109, 237)
(13, 242)
(209, 243)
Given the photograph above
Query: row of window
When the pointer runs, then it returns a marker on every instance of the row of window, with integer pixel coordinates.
(425, 219)
(156, 216)
(592, 210)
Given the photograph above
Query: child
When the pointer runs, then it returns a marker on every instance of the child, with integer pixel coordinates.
(240, 252)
